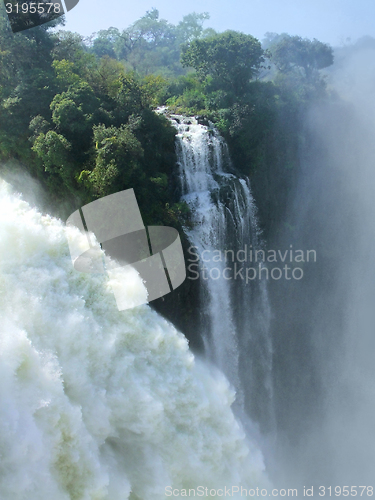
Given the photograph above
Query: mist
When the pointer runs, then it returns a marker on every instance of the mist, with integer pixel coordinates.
(324, 329)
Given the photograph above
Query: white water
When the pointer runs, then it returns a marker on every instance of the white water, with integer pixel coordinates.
(224, 218)
(199, 154)
(96, 403)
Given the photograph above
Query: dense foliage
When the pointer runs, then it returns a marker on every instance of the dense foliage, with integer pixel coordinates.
(231, 59)
(79, 113)
(151, 45)
(82, 124)
(292, 53)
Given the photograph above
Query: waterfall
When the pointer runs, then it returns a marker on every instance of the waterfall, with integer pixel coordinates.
(236, 330)
(94, 402)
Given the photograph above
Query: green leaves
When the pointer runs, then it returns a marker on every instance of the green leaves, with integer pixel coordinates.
(150, 45)
(295, 53)
(232, 59)
(53, 150)
(65, 73)
(73, 112)
(117, 159)
(83, 122)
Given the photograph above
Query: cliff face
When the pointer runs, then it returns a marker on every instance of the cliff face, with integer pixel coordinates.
(271, 160)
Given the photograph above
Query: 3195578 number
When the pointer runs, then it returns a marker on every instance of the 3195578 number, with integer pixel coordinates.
(32, 8)
(346, 491)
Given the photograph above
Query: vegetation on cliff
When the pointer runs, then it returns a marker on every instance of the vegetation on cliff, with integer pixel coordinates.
(79, 114)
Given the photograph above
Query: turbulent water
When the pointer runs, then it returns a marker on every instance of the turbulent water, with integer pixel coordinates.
(97, 403)
(236, 330)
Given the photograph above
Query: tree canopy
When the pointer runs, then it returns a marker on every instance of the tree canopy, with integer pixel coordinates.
(79, 112)
(231, 58)
(151, 44)
(293, 52)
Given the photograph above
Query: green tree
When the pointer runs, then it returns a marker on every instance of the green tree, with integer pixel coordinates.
(68, 45)
(191, 27)
(150, 45)
(53, 151)
(105, 41)
(293, 53)
(65, 73)
(117, 163)
(73, 114)
(27, 84)
(231, 58)
(105, 79)
(71, 47)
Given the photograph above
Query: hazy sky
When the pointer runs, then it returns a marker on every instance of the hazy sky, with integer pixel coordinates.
(330, 21)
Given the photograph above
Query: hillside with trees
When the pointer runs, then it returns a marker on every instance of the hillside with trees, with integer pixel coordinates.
(78, 113)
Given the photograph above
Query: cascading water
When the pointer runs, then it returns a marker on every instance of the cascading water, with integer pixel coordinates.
(237, 334)
(97, 403)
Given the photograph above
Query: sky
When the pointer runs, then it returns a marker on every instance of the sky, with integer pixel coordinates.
(330, 21)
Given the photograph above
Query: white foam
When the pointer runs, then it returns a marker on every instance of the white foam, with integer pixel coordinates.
(96, 403)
